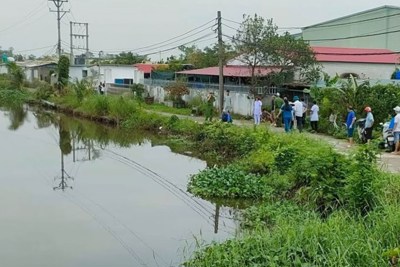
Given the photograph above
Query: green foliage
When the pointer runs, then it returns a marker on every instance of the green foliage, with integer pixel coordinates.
(11, 98)
(16, 75)
(128, 58)
(97, 105)
(361, 185)
(63, 71)
(122, 108)
(177, 89)
(43, 90)
(229, 182)
(138, 90)
(81, 88)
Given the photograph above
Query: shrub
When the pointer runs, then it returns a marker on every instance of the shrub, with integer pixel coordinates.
(229, 182)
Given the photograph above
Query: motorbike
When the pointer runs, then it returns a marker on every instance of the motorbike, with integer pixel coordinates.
(388, 138)
(361, 130)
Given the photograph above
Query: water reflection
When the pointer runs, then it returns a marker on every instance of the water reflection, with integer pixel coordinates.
(17, 115)
(128, 207)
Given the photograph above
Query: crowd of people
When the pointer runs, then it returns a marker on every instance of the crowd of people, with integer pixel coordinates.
(292, 115)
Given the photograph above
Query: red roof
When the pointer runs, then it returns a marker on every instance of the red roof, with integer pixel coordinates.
(355, 55)
(147, 68)
(231, 71)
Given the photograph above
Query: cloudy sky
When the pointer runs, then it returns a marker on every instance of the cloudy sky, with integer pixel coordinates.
(128, 25)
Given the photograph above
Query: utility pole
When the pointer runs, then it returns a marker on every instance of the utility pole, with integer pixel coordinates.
(60, 15)
(221, 53)
(74, 36)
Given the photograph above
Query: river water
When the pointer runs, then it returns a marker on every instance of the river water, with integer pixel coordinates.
(77, 194)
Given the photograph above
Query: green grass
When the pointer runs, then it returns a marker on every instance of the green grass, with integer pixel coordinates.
(166, 109)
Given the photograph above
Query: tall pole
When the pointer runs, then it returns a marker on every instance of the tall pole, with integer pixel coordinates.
(71, 59)
(87, 43)
(221, 63)
(60, 15)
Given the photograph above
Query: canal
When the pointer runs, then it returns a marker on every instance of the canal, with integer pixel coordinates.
(78, 194)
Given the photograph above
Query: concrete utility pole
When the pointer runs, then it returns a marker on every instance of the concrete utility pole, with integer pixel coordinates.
(221, 53)
(60, 15)
(79, 36)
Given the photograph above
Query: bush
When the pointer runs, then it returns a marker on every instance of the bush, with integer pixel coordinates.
(229, 182)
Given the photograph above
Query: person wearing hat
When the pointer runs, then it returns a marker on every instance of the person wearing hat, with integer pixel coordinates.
(298, 113)
(396, 130)
(369, 123)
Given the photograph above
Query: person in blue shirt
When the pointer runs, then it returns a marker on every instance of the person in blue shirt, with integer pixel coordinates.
(369, 123)
(287, 116)
(350, 121)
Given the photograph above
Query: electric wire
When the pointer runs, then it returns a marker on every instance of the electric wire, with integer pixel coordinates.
(328, 53)
(163, 42)
(26, 18)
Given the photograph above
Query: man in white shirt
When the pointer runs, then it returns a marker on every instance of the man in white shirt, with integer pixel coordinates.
(228, 102)
(396, 130)
(314, 117)
(298, 112)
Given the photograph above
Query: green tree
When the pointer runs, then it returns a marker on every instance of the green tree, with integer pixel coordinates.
(17, 75)
(257, 43)
(128, 58)
(63, 71)
(208, 57)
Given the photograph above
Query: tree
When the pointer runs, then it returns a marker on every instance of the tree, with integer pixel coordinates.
(128, 58)
(63, 71)
(251, 43)
(17, 75)
(208, 57)
(258, 44)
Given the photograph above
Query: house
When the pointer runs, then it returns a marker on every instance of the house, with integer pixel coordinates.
(148, 68)
(110, 74)
(34, 70)
(362, 63)
(373, 28)
(234, 75)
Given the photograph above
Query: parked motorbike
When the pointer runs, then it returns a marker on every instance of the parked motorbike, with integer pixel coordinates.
(388, 138)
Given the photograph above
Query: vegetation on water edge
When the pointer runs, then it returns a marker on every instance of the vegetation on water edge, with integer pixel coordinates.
(318, 208)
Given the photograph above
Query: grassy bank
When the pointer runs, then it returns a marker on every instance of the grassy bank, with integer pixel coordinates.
(315, 207)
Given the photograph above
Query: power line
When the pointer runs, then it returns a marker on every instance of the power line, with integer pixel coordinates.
(351, 22)
(163, 42)
(329, 53)
(33, 49)
(26, 17)
(351, 37)
(173, 48)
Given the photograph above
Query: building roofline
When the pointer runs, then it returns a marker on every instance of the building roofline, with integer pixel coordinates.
(352, 15)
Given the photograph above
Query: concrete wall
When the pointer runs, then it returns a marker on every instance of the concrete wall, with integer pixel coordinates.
(351, 26)
(108, 74)
(364, 70)
(241, 103)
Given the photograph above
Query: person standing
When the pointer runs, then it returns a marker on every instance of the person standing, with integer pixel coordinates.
(350, 121)
(209, 112)
(228, 102)
(396, 131)
(314, 116)
(303, 102)
(257, 110)
(278, 104)
(298, 112)
(287, 116)
(369, 123)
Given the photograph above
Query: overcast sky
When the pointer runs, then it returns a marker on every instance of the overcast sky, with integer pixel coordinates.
(117, 25)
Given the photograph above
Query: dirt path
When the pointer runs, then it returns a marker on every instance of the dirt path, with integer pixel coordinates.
(387, 161)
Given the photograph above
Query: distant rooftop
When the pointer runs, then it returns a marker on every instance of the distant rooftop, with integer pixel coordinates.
(355, 55)
(231, 71)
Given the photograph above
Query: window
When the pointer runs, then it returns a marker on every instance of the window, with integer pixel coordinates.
(84, 73)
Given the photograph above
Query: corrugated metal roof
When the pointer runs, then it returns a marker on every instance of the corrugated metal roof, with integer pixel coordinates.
(353, 15)
(355, 55)
(231, 71)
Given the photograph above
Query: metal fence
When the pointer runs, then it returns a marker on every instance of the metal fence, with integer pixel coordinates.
(213, 86)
